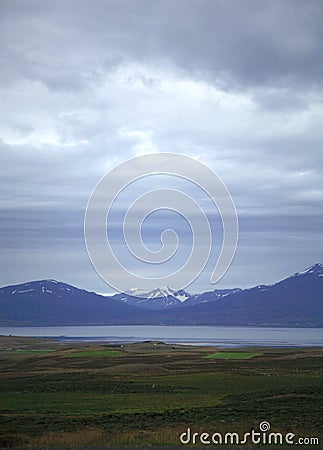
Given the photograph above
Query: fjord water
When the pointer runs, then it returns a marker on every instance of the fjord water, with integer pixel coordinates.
(194, 335)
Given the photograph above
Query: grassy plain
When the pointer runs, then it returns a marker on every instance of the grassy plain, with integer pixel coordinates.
(234, 355)
(54, 394)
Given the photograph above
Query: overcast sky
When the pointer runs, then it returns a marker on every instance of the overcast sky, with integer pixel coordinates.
(86, 85)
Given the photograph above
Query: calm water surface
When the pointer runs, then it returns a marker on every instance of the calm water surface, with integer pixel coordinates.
(196, 335)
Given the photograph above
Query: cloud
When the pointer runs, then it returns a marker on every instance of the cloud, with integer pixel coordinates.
(87, 85)
(67, 45)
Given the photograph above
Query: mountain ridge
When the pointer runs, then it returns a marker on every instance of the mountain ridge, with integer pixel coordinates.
(143, 298)
(293, 301)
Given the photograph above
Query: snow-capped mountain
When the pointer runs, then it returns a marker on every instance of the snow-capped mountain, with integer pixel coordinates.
(316, 271)
(43, 287)
(294, 301)
(51, 302)
(159, 293)
(159, 298)
(167, 298)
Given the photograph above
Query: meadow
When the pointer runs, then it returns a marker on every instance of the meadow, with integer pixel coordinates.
(69, 395)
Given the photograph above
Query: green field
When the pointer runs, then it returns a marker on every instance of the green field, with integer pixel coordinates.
(233, 355)
(54, 394)
(93, 353)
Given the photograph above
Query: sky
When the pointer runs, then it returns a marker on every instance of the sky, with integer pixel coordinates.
(88, 85)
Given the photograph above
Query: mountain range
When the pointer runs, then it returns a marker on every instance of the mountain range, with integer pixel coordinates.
(295, 301)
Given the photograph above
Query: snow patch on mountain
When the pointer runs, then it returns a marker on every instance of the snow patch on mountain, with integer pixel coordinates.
(162, 292)
(315, 269)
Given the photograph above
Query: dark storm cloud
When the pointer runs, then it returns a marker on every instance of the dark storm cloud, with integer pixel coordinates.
(68, 44)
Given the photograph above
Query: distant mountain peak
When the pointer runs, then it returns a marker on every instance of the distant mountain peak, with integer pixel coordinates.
(160, 292)
(44, 287)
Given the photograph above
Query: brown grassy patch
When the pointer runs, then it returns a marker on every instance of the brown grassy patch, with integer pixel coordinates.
(96, 436)
(87, 436)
